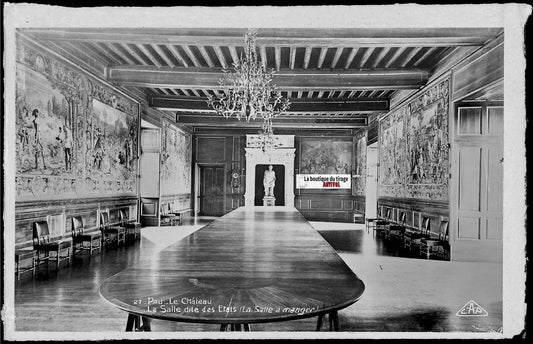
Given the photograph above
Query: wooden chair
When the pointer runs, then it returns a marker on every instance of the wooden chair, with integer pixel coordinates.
(380, 225)
(413, 238)
(110, 233)
(24, 261)
(437, 247)
(370, 223)
(45, 246)
(396, 230)
(79, 238)
(167, 218)
(178, 215)
(133, 228)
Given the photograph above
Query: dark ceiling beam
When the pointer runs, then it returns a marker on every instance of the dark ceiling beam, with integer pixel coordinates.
(264, 59)
(206, 130)
(149, 55)
(280, 37)
(117, 52)
(163, 55)
(219, 121)
(178, 77)
(87, 55)
(350, 58)
(323, 52)
(277, 58)
(89, 65)
(221, 57)
(175, 52)
(199, 104)
(134, 55)
(307, 57)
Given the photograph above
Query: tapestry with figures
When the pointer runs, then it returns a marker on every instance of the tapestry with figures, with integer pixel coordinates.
(74, 137)
(319, 155)
(176, 160)
(413, 146)
(359, 180)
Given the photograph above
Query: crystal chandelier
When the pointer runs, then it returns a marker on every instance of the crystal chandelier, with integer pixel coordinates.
(248, 91)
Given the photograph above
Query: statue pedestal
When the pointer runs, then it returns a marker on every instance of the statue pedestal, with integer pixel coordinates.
(269, 201)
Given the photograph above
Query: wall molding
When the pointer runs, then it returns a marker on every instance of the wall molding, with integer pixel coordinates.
(79, 201)
(417, 204)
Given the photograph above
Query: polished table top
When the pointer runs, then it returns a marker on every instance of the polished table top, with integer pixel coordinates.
(255, 264)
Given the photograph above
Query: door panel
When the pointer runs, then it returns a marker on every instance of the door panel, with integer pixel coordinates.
(495, 179)
(212, 183)
(495, 229)
(149, 170)
(469, 178)
(468, 228)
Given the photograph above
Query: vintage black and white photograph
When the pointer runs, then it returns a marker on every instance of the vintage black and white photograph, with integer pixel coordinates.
(264, 172)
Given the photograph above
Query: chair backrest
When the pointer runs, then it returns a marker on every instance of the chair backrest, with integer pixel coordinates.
(122, 216)
(443, 230)
(104, 218)
(41, 233)
(402, 218)
(77, 226)
(426, 224)
(387, 214)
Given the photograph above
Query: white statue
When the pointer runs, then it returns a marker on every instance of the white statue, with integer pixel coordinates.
(269, 181)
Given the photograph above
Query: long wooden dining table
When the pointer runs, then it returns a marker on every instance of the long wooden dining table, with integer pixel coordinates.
(252, 265)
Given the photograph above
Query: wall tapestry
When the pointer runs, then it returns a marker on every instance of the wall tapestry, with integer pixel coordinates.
(176, 161)
(325, 155)
(359, 182)
(413, 147)
(74, 137)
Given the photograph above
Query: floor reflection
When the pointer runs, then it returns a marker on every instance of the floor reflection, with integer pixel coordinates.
(401, 294)
(360, 242)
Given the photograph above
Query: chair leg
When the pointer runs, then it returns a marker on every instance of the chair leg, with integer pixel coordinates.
(138, 323)
(334, 321)
(234, 327)
(146, 326)
(319, 322)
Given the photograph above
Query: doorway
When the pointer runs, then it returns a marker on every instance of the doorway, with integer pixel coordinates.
(371, 192)
(212, 190)
(149, 176)
(476, 198)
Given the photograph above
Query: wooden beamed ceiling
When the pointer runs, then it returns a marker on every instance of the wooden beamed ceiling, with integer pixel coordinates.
(298, 106)
(334, 78)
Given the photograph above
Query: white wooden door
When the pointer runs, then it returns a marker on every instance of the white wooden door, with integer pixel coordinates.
(477, 184)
